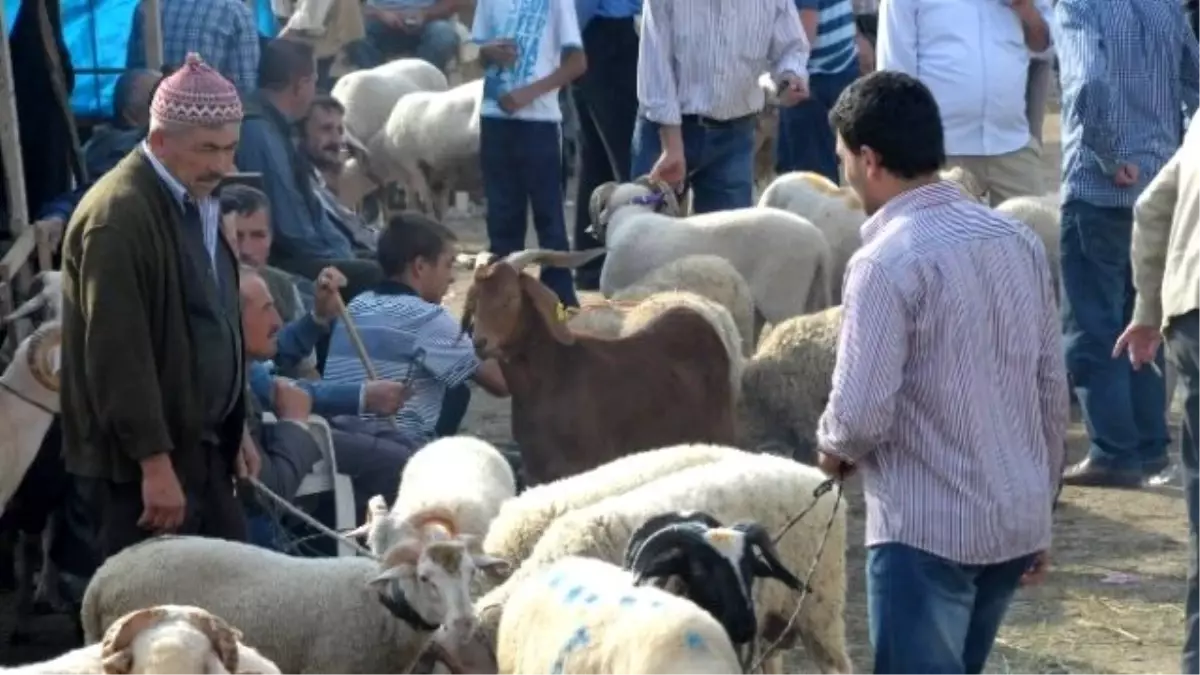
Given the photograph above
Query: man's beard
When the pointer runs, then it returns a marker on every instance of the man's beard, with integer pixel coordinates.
(325, 163)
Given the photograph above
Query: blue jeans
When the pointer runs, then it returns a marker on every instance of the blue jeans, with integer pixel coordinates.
(437, 42)
(720, 160)
(928, 614)
(521, 162)
(806, 141)
(1183, 348)
(1124, 409)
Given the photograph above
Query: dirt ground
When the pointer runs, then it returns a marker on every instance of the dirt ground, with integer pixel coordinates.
(1113, 603)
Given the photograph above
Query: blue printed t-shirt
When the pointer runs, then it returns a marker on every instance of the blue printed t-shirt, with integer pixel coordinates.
(401, 332)
(542, 30)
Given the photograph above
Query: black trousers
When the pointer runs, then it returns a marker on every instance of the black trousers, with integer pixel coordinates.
(606, 101)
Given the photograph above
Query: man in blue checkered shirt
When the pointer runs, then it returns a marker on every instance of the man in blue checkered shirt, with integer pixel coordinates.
(1129, 74)
(222, 32)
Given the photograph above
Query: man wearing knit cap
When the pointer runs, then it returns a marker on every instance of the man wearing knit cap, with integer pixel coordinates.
(153, 369)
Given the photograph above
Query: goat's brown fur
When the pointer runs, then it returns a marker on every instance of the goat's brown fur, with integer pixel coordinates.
(580, 401)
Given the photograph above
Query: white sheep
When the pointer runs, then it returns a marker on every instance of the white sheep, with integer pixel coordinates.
(621, 318)
(1041, 214)
(765, 489)
(430, 143)
(162, 639)
(786, 385)
(309, 615)
(369, 95)
(522, 521)
(783, 257)
(581, 615)
(47, 300)
(709, 276)
(29, 400)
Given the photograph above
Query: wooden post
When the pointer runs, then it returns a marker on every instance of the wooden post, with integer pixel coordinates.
(152, 34)
(10, 143)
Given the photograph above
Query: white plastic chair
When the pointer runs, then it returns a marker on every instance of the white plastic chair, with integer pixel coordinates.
(325, 478)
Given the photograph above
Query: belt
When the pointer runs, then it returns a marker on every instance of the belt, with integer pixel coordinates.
(710, 123)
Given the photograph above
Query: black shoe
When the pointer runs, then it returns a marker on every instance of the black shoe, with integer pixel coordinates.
(587, 282)
(1089, 474)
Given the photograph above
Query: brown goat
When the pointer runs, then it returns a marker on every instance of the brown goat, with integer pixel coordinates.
(579, 401)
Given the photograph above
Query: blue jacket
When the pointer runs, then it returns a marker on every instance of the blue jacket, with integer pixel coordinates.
(295, 340)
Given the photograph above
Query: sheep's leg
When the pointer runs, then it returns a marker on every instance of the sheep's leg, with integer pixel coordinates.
(48, 594)
(416, 184)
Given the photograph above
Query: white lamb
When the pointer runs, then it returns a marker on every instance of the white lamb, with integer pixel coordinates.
(523, 520)
(29, 401)
(709, 276)
(762, 488)
(430, 143)
(1041, 214)
(581, 615)
(458, 484)
(162, 639)
(309, 615)
(620, 318)
(369, 95)
(784, 258)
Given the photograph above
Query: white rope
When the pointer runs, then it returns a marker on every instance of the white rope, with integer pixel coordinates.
(309, 520)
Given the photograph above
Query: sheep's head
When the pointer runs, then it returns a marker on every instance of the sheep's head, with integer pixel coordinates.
(504, 304)
(716, 564)
(170, 639)
(966, 181)
(34, 371)
(644, 192)
(47, 298)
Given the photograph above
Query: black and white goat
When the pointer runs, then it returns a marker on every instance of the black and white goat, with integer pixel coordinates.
(716, 565)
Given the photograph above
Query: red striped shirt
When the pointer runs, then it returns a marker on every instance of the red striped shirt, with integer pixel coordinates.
(950, 392)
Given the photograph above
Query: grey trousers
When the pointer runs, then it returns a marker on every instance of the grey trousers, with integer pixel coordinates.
(1037, 91)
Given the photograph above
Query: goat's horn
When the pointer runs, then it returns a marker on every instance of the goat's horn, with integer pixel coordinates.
(657, 523)
(522, 259)
(771, 566)
(678, 536)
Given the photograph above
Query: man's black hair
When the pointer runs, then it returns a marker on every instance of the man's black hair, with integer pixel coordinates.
(123, 91)
(321, 102)
(410, 235)
(242, 199)
(283, 62)
(897, 117)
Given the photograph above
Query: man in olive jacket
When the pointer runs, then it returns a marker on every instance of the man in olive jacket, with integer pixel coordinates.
(153, 371)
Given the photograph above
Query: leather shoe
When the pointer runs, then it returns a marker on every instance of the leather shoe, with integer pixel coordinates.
(1089, 474)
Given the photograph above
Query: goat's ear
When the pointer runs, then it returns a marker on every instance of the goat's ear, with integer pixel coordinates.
(545, 302)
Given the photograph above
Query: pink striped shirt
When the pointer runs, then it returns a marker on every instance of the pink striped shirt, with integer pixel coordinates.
(950, 393)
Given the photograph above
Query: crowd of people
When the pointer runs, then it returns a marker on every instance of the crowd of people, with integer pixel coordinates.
(209, 263)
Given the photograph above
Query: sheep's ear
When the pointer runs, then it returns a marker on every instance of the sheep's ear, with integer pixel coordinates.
(545, 302)
(117, 663)
(120, 635)
(224, 638)
(395, 573)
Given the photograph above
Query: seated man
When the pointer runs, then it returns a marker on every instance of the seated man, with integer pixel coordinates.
(373, 464)
(305, 239)
(410, 336)
(422, 28)
(322, 134)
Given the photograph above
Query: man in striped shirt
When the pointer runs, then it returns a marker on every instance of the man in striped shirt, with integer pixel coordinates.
(699, 95)
(805, 140)
(949, 394)
(410, 336)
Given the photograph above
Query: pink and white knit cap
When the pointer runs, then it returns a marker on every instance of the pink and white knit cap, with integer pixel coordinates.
(196, 95)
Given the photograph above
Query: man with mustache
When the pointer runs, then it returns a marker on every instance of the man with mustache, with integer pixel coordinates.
(322, 134)
(153, 365)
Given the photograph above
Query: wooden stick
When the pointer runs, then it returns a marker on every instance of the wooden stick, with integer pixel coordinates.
(356, 340)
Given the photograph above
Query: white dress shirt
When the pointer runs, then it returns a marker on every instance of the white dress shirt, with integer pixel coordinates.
(972, 56)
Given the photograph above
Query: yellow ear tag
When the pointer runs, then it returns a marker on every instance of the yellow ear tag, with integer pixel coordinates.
(562, 312)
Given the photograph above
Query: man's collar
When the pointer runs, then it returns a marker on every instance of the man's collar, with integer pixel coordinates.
(393, 287)
(915, 199)
(175, 187)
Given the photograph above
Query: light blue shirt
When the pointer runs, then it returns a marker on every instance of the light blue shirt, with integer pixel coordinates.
(543, 30)
(586, 10)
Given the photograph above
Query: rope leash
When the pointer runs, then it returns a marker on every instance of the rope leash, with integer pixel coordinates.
(309, 520)
(805, 590)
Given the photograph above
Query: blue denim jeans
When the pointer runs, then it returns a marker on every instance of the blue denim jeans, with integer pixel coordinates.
(806, 141)
(1124, 409)
(1183, 348)
(521, 162)
(720, 160)
(928, 614)
(437, 43)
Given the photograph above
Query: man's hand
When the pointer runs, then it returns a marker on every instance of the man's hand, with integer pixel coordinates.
(52, 230)
(248, 462)
(1038, 569)
(1140, 342)
(499, 52)
(163, 503)
(291, 402)
(792, 90)
(411, 20)
(1126, 175)
(516, 99)
(327, 301)
(384, 397)
(866, 55)
(834, 466)
(671, 167)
